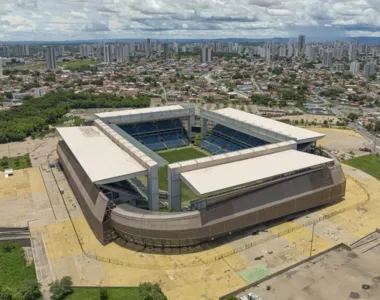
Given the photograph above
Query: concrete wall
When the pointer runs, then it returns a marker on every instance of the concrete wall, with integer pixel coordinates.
(92, 202)
(191, 228)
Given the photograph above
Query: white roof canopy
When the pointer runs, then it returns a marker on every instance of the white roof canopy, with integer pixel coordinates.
(229, 175)
(139, 111)
(293, 132)
(102, 160)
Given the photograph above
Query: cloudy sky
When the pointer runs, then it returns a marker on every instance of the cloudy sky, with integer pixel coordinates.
(52, 20)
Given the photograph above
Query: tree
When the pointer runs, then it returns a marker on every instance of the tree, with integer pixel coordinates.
(377, 126)
(232, 298)
(369, 126)
(103, 294)
(59, 289)
(149, 291)
(8, 95)
(352, 116)
(31, 291)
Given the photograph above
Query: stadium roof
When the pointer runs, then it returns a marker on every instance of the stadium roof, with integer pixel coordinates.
(102, 160)
(139, 111)
(293, 132)
(221, 177)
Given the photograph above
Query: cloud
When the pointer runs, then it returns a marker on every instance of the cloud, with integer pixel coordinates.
(89, 19)
(27, 3)
(77, 14)
(96, 27)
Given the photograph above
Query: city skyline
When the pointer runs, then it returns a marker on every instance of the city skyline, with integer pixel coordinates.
(30, 20)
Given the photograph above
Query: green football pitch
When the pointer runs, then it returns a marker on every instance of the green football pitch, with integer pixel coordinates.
(173, 156)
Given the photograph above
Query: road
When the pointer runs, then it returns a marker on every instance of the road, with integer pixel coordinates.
(254, 83)
(336, 111)
(162, 87)
(222, 86)
(364, 132)
(209, 78)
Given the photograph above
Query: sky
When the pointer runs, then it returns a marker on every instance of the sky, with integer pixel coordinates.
(52, 20)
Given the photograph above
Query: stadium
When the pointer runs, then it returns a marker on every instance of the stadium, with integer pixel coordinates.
(154, 177)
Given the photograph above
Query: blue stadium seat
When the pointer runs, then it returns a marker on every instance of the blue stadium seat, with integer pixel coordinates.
(158, 135)
(225, 139)
(174, 143)
(157, 146)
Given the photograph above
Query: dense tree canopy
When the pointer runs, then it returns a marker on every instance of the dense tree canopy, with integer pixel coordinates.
(35, 115)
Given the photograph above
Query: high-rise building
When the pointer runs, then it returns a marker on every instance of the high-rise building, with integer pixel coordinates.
(290, 49)
(338, 53)
(301, 44)
(51, 58)
(83, 49)
(126, 51)
(327, 58)
(1, 67)
(355, 67)
(119, 53)
(206, 55)
(61, 50)
(313, 53)
(282, 52)
(4, 51)
(352, 52)
(107, 53)
(148, 49)
(339, 67)
(98, 51)
(26, 50)
(175, 46)
(20, 50)
(166, 52)
(369, 69)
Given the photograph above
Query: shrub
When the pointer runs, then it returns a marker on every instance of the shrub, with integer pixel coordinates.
(31, 291)
(59, 289)
(7, 247)
(103, 294)
(149, 291)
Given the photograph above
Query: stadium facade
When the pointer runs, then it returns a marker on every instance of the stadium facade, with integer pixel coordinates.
(260, 170)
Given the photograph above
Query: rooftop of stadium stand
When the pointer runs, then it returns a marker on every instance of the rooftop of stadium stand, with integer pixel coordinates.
(131, 112)
(293, 132)
(235, 174)
(102, 160)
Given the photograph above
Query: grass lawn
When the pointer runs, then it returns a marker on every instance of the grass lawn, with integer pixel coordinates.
(15, 163)
(14, 274)
(173, 156)
(76, 64)
(130, 293)
(367, 163)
